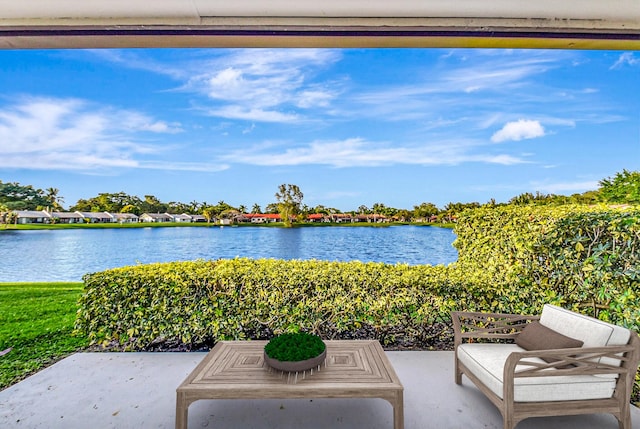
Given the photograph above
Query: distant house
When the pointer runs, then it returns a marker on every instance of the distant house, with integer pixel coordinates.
(198, 218)
(315, 217)
(341, 217)
(32, 216)
(125, 217)
(243, 218)
(371, 218)
(66, 217)
(96, 217)
(155, 217)
(181, 218)
(263, 217)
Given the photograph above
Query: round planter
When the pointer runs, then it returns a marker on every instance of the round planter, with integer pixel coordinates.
(295, 366)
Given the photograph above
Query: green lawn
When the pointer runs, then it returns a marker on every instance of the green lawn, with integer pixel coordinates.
(36, 322)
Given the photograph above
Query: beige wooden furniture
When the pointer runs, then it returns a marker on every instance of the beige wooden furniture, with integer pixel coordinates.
(236, 370)
(595, 378)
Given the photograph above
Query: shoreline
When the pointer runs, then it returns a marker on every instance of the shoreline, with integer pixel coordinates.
(27, 227)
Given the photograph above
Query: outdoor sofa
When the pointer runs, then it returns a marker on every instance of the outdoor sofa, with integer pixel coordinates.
(558, 363)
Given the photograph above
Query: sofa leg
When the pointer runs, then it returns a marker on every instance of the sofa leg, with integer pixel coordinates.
(458, 374)
(624, 416)
(624, 421)
(507, 422)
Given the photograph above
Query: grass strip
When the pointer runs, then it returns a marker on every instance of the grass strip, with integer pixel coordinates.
(36, 323)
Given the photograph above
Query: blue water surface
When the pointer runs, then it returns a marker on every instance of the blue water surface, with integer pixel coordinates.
(68, 254)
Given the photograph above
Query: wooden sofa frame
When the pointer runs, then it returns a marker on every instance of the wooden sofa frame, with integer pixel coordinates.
(471, 326)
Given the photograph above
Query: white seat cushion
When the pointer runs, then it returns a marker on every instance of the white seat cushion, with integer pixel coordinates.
(487, 361)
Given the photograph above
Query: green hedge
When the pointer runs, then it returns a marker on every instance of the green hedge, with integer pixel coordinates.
(579, 257)
(201, 301)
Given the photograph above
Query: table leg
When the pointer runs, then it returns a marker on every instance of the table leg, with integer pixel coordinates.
(398, 411)
(182, 411)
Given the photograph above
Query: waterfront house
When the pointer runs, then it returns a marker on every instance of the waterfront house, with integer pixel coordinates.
(96, 217)
(263, 217)
(315, 217)
(125, 217)
(198, 218)
(32, 216)
(66, 217)
(180, 218)
(155, 217)
(341, 217)
(372, 218)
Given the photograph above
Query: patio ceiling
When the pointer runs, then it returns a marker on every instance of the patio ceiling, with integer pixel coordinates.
(568, 24)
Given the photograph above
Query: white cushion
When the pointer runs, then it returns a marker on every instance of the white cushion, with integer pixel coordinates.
(487, 361)
(593, 332)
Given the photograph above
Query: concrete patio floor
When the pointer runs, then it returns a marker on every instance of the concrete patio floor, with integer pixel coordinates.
(137, 390)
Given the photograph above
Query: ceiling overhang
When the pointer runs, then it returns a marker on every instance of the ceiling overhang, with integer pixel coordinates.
(567, 24)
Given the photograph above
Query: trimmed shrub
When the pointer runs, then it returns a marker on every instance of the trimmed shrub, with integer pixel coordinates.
(203, 301)
(579, 257)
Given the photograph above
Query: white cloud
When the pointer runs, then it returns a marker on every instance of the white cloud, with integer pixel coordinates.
(357, 152)
(162, 127)
(519, 130)
(498, 159)
(626, 58)
(257, 84)
(497, 70)
(564, 187)
(486, 83)
(252, 114)
(249, 129)
(135, 121)
(72, 134)
(183, 166)
(314, 98)
(133, 60)
(264, 84)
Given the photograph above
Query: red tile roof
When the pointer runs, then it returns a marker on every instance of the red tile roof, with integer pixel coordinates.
(262, 215)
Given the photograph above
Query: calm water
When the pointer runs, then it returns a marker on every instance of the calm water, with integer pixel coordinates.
(66, 255)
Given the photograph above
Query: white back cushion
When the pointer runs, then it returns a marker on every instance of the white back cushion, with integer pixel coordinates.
(593, 332)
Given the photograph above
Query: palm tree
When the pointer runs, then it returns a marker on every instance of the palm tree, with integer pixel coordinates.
(209, 213)
(54, 199)
(193, 207)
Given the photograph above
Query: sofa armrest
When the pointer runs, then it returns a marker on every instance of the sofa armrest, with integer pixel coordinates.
(574, 361)
(477, 325)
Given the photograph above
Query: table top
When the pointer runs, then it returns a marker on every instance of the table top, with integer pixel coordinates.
(236, 369)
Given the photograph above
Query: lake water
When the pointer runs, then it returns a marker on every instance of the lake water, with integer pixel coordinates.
(68, 254)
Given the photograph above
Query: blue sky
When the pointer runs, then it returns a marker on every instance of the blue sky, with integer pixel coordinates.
(349, 127)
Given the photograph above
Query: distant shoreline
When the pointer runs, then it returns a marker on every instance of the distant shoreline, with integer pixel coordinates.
(26, 227)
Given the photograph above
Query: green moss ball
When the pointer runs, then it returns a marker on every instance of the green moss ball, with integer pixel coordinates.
(294, 347)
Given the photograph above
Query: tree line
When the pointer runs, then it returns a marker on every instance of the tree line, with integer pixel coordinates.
(622, 188)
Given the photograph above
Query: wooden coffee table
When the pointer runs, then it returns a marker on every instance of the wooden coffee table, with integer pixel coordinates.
(236, 370)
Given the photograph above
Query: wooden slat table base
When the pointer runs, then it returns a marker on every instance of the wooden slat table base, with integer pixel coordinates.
(236, 370)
